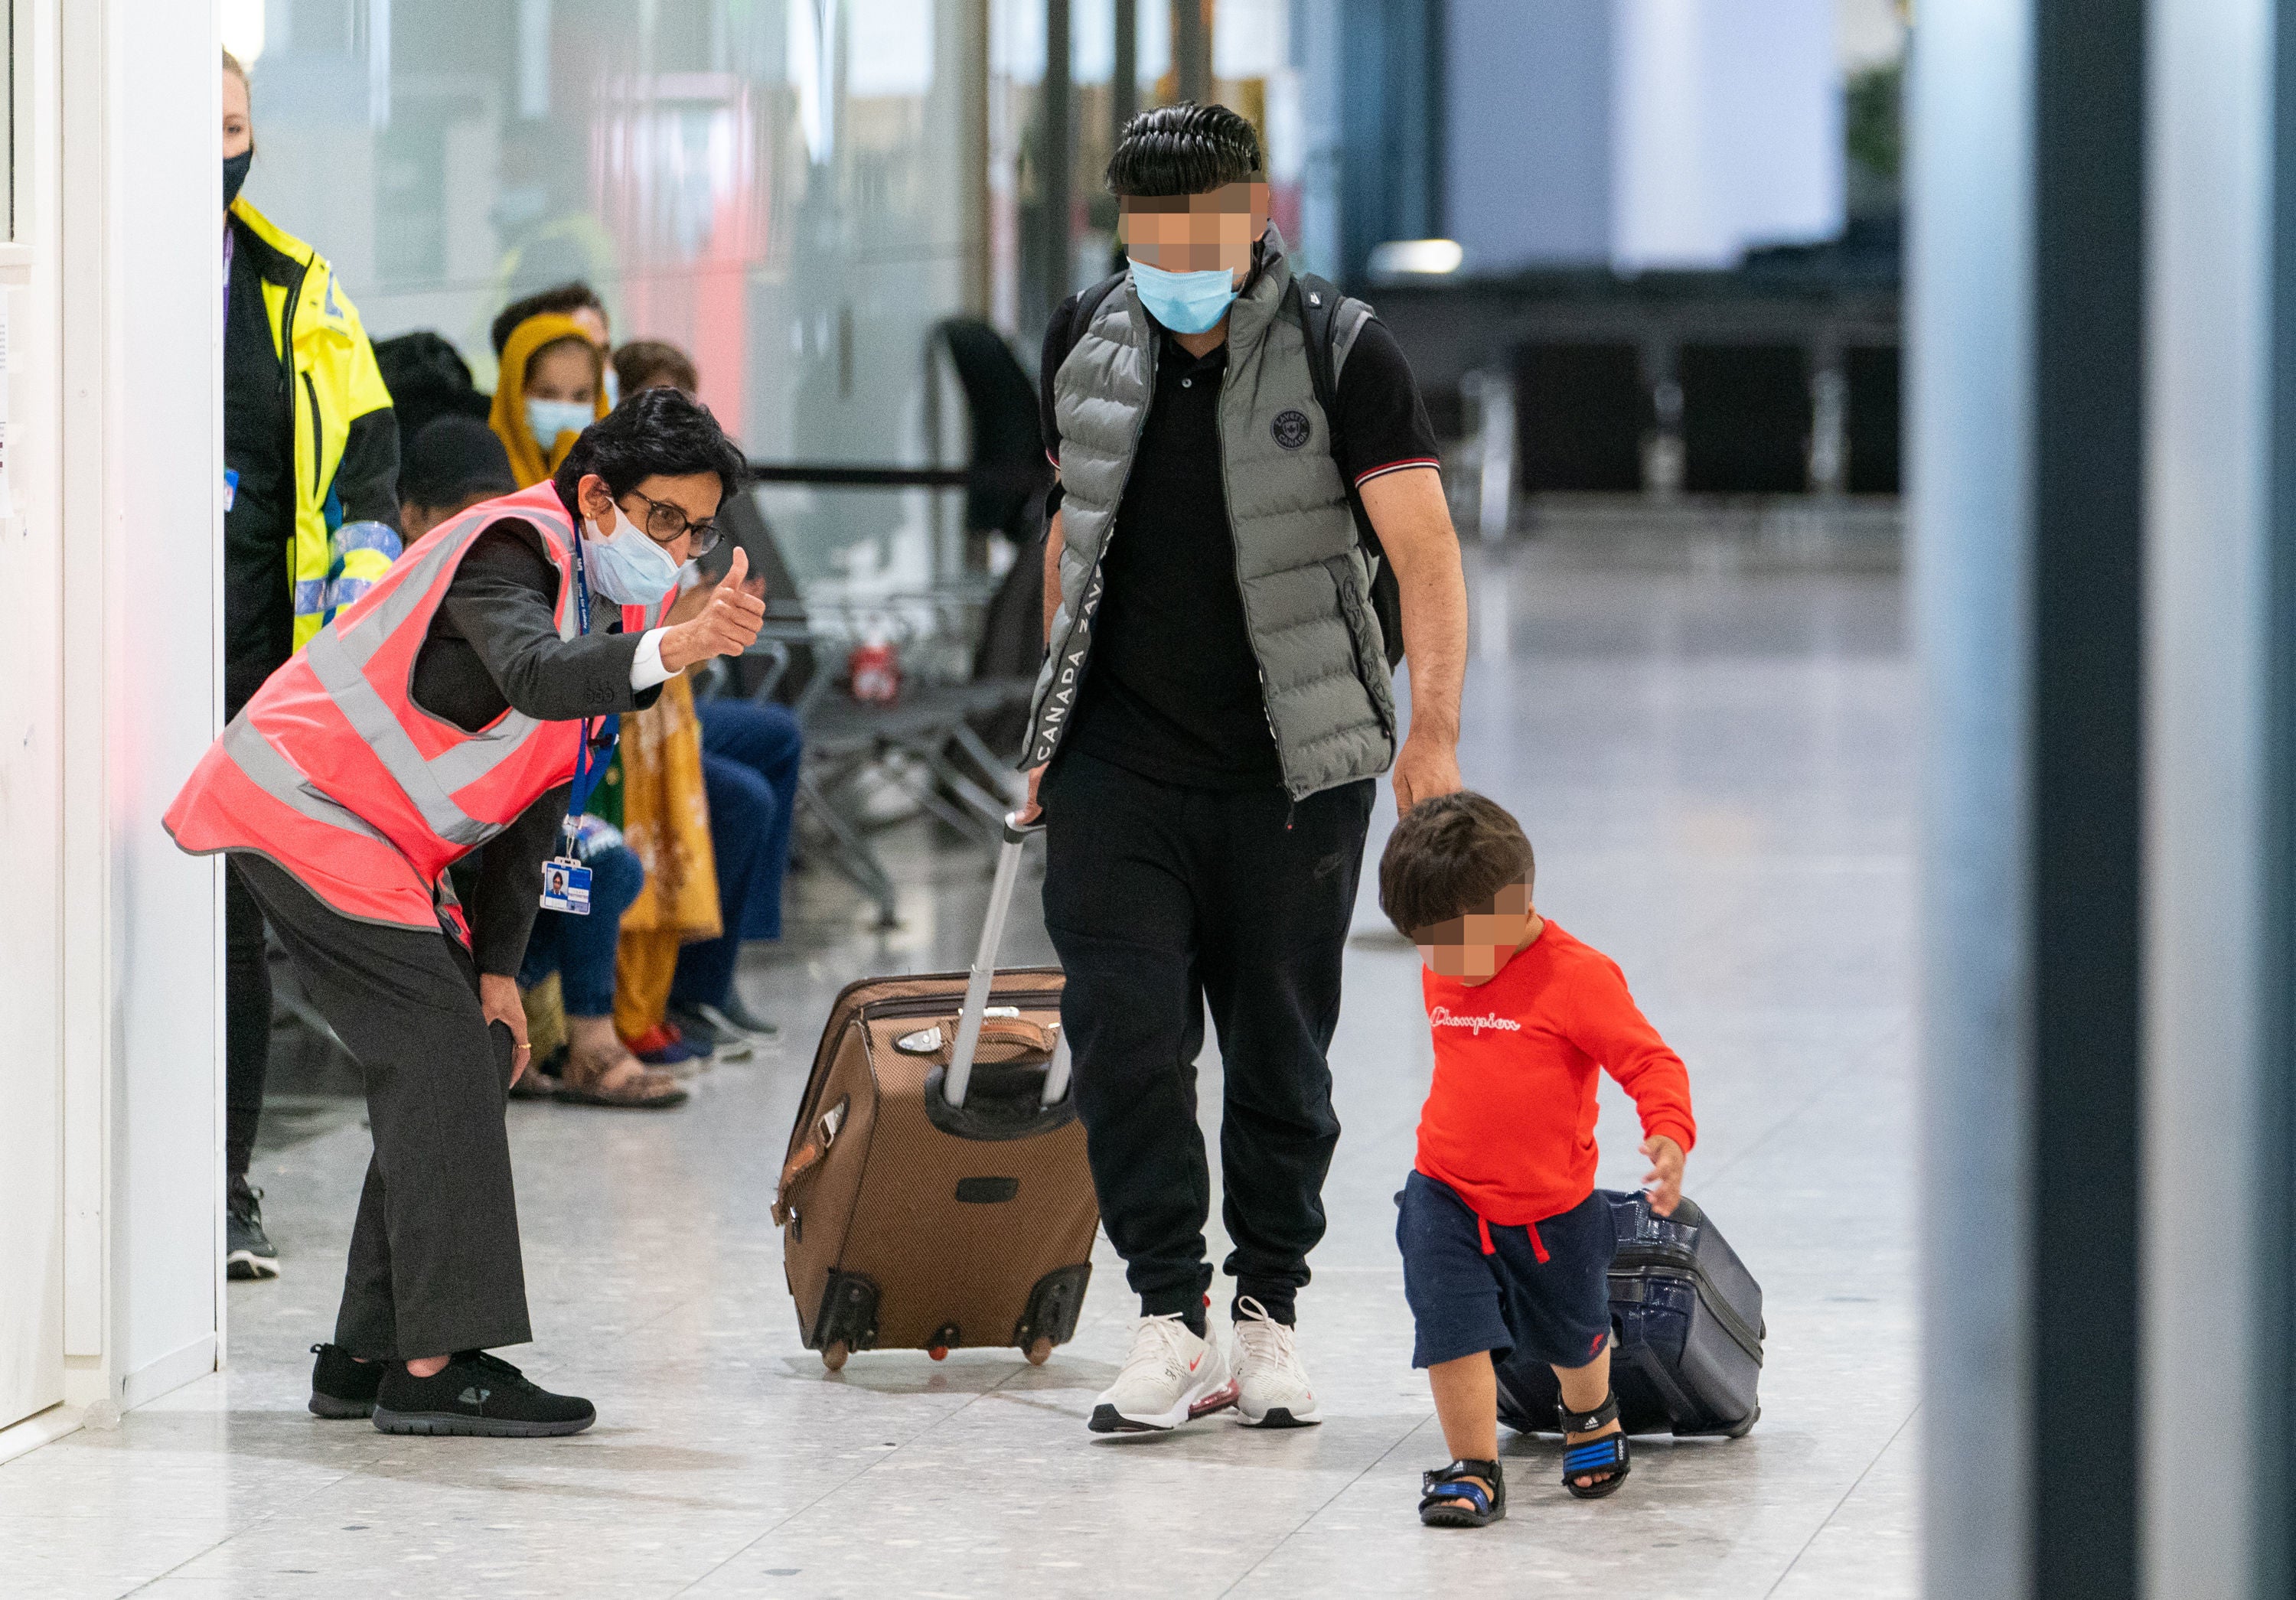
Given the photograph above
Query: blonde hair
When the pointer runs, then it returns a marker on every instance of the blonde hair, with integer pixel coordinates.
(230, 65)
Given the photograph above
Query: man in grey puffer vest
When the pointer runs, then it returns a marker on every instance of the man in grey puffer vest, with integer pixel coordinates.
(1214, 706)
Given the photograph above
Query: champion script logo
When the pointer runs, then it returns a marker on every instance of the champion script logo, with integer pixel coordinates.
(1441, 1017)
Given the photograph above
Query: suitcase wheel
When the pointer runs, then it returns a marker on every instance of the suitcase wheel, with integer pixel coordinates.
(833, 1358)
(944, 1338)
(1039, 1352)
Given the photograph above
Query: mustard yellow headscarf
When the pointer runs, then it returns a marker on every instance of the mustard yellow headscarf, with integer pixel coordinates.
(532, 460)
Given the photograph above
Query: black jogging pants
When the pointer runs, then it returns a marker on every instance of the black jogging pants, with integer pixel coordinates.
(1164, 901)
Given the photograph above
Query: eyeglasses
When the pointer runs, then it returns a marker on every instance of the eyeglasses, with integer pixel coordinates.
(664, 522)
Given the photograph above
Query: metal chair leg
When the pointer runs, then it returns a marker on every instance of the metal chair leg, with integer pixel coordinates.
(1014, 784)
(853, 855)
(989, 811)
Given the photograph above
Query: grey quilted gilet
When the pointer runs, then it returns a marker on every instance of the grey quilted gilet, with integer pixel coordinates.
(1306, 585)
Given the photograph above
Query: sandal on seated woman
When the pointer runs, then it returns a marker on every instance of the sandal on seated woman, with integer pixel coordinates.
(599, 1071)
(1466, 1494)
(1593, 1451)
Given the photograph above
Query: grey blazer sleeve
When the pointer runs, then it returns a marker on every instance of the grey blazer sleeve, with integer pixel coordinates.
(502, 601)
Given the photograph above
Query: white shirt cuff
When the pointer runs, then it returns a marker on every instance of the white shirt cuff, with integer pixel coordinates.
(646, 670)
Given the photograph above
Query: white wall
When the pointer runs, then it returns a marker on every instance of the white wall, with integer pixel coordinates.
(31, 765)
(142, 463)
(1645, 133)
(1527, 132)
(1726, 128)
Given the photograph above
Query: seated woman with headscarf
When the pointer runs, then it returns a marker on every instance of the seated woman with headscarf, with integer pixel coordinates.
(550, 387)
(553, 385)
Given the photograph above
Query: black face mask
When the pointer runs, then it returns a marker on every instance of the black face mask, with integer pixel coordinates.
(234, 173)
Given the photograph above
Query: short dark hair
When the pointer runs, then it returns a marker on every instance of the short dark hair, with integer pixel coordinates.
(664, 430)
(565, 298)
(643, 360)
(451, 459)
(1450, 856)
(1184, 149)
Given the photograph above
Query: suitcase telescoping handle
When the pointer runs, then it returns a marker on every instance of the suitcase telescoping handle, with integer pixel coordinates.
(958, 1078)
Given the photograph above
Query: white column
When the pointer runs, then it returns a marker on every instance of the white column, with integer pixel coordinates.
(1971, 393)
(2209, 1363)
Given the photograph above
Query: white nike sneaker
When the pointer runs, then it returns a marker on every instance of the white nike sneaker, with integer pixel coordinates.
(1170, 1376)
(1271, 1386)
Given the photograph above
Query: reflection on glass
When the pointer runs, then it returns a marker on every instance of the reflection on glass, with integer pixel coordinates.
(1256, 71)
(774, 185)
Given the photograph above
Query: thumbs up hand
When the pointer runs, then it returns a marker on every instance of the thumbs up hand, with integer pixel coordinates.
(728, 624)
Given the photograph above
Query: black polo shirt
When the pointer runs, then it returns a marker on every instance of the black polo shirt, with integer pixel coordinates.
(1172, 688)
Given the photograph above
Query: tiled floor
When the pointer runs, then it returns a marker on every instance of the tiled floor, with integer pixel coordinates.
(1715, 770)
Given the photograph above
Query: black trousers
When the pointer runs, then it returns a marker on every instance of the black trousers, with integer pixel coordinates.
(247, 968)
(1162, 901)
(434, 1259)
(247, 1022)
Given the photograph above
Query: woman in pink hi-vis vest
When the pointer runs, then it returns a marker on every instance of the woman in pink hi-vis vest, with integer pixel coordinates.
(468, 699)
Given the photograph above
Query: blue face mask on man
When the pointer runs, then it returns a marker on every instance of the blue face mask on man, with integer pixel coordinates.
(550, 418)
(1185, 302)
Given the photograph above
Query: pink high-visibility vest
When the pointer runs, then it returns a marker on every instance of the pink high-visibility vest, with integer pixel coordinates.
(332, 771)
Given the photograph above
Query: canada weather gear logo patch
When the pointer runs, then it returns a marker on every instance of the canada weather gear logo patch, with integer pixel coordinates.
(1291, 429)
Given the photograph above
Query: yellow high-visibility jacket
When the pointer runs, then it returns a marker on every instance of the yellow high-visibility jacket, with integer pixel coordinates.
(341, 408)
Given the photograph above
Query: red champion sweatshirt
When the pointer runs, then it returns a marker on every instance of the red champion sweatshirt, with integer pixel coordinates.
(1509, 1120)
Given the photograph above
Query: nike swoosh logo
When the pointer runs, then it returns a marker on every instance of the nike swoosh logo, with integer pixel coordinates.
(1199, 1361)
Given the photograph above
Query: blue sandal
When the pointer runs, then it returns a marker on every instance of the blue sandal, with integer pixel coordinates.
(1441, 1492)
(1606, 1455)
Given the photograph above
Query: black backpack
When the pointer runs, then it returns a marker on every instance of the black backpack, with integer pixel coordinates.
(1314, 303)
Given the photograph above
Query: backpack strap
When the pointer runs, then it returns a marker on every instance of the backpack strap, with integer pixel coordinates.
(1315, 303)
(1089, 306)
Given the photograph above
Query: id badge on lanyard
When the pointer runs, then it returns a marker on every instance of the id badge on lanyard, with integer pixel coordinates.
(565, 881)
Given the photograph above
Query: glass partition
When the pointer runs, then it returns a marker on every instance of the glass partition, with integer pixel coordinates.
(779, 186)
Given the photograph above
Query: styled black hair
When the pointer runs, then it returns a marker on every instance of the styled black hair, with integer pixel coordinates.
(1184, 148)
(1450, 856)
(451, 459)
(664, 430)
(551, 302)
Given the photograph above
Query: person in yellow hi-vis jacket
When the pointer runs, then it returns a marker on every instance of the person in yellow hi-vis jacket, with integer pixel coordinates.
(310, 495)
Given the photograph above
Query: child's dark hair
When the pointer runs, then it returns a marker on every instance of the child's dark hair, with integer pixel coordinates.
(1184, 148)
(453, 458)
(1448, 857)
(641, 362)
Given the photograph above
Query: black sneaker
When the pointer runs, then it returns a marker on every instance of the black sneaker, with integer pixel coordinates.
(697, 1029)
(734, 1017)
(476, 1394)
(248, 1252)
(340, 1387)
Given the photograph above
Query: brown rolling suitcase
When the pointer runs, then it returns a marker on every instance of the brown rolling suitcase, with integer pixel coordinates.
(935, 1195)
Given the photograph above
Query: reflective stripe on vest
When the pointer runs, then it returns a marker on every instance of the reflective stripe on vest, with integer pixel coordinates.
(333, 772)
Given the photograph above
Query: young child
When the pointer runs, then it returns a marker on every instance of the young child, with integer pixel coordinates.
(1507, 1247)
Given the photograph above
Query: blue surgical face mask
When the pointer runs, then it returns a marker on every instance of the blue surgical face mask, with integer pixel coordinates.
(550, 418)
(613, 389)
(627, 567)
(1185, 302)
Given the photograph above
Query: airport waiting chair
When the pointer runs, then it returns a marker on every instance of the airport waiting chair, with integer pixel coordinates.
(967, 671)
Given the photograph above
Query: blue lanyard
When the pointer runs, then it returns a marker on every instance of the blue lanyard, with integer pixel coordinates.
(597, 749)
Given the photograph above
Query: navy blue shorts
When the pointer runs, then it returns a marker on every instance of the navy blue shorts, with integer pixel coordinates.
(1557, 1310)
